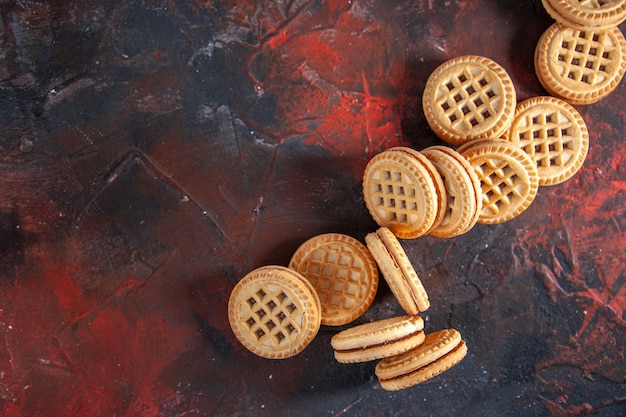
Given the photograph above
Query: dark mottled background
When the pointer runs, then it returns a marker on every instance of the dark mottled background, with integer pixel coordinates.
(152, 152)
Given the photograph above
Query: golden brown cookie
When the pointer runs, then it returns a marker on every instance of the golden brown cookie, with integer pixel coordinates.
(343, 273)
(398, 271)
(274, 312)
(582, 14)
(508, 177)
(435, 175)
(378, 339)
(463, 192)
(580, 66)
(403, 191)
(468, 97)
(554, 134)
(439, 352)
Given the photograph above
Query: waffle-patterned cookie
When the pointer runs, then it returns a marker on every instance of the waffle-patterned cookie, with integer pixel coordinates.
(440, 351)
(554, 134)
(440, 187)
(508, 177)
(403, 192)
(342, 271)
(463, 192)
(274, 312)
(468, 97)
(580, 66)
(581, 14)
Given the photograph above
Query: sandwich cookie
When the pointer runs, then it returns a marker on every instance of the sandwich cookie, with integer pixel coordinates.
(378, 339)
(508, 178)
(342, 271)
(554, 134)
(403, 191)
(274, 312)
(440, 351)
(581, 14)
(397, 271)
(463, 193)
(468, 97)
(580, 66)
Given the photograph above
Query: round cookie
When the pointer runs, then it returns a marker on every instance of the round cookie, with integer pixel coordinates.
(554, 134)
(463, 193)
(508, 177)
(343, 273)
(274, 312)
(468, 97)
(583, 14)
(402, 191)
(398, 271)
(580, 66)
(435, 175)
(378, 339)
(440, 351)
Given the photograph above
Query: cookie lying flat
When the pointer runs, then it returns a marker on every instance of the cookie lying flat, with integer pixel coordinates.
(403, 191)
(580, 66)
(440, 351)
(397, 271)
(274, 312)
(554, 134)
(343, 273)
(468, 97)
(378, 339)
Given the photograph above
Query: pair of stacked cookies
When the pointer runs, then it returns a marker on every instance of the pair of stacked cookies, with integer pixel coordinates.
(581, 57)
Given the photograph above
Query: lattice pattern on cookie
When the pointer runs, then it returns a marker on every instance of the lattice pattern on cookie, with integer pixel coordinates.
(468, 98)
(337, 275)
(585, 56)
(272, 315)
(396, 195)
(548, 138)
(501, 184)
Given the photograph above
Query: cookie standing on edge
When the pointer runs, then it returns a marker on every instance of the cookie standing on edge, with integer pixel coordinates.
(343, 273)
(274, 312)
(440, 351)
(397, 271)
(468, 97)
(463, 193)
(378, 339)
(554, 134)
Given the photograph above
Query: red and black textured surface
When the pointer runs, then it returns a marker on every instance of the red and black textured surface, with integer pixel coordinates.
(152, 152)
